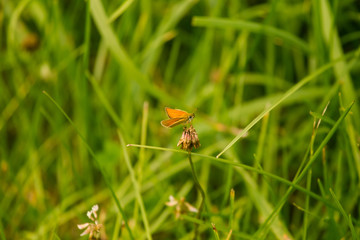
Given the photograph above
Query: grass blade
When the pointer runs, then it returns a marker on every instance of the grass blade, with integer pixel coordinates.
(345, 215)
(123, 7)
(240, 165)
(285, 96)
(252, 27)
(341, 71)
(132, 72)
(108, 184)
(307, 167)
(136, 186)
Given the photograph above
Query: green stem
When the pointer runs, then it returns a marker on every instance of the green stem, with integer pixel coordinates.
(198, 186)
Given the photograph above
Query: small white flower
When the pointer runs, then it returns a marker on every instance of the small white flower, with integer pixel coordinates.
(88, 214)
(93, 229)
(172, 201)
(191, 208)
(94, 209)
(82, 226)
(181, 206)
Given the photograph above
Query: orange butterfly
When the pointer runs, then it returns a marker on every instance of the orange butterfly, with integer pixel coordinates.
(176, 117)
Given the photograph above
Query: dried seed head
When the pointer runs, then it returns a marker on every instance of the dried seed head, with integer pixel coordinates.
(189, 139)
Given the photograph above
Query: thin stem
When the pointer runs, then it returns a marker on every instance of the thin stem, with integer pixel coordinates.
(198, 186)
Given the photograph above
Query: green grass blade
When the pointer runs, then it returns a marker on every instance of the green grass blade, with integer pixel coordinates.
(347, 217)
(13, 21)
(108, 184)
(142, 156)
(263, 229)
(341, 71)
(252, 27)
(132, 72)
(306, 210)
(232, 210)
(120, 10)
(136, 186)
(291, 91)
(240, 165)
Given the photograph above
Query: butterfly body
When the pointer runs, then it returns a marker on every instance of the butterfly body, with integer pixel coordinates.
(176, 117)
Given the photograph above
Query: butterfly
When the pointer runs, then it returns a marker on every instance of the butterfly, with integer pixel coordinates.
(176, 117)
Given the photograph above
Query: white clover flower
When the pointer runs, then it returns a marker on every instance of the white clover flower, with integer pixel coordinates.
(181, 207)
(93, 229)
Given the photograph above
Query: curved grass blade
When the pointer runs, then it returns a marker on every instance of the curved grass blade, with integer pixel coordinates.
(285, 96)
(120, 10)
(335, 50)
(108, 184)
(136, 186)
(347, 217)
(120, 55)
(11, 31)
(263, 229)
(251, 26)
(240, 165)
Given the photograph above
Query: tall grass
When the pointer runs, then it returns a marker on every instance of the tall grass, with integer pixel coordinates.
(259, 76)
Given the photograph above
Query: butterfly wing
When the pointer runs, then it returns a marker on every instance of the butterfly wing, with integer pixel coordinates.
(176, 113)
(172, 122)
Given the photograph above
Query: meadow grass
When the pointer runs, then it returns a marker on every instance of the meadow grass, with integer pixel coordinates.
(274, 86)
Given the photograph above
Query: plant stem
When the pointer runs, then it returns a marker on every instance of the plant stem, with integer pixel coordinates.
(198, 186)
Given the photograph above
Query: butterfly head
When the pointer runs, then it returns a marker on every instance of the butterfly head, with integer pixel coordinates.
(191, 117)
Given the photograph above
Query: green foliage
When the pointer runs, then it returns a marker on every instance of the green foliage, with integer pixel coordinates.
(274, 87)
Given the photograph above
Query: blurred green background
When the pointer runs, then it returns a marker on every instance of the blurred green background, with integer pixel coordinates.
(270, 67)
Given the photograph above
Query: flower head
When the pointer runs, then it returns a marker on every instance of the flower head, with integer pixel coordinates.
(189, 139)
(93, 228)
(181, 207)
